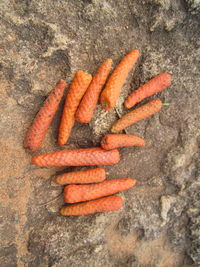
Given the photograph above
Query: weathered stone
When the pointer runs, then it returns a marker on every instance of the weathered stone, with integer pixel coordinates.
(194, 6)
(44, 41)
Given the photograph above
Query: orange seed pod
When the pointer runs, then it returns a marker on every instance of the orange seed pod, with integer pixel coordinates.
(76, 91)
(111, 141)
(44, 117)
(78, 157)
(111, 92)
(87, 106)
(82, 177)
(79, 193)
(99, 205)
(136, 115)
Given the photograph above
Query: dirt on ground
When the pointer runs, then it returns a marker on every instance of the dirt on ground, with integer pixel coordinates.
(44, 41)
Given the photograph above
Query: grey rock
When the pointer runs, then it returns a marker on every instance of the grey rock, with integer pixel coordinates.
(194, 6)
(8, 256)
(166, 205)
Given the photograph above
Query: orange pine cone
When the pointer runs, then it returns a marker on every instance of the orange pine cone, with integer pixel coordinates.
(155, 85)
(87, 106)
(111, 141)
(99, 205)
(44, 117)
(78, 157)
(114, 84)
(82, 177)
(136, 115)
(76, 91)
(79, 193)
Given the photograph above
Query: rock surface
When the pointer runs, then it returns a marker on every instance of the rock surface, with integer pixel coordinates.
(194, 6)
(43, 41)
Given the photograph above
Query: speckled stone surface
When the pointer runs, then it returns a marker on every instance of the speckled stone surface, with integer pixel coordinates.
(43, 41)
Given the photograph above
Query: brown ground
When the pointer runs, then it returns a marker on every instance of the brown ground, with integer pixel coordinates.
(43, 41)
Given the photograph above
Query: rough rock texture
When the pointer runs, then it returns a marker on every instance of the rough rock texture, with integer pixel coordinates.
(194, 6)
(43, 41)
